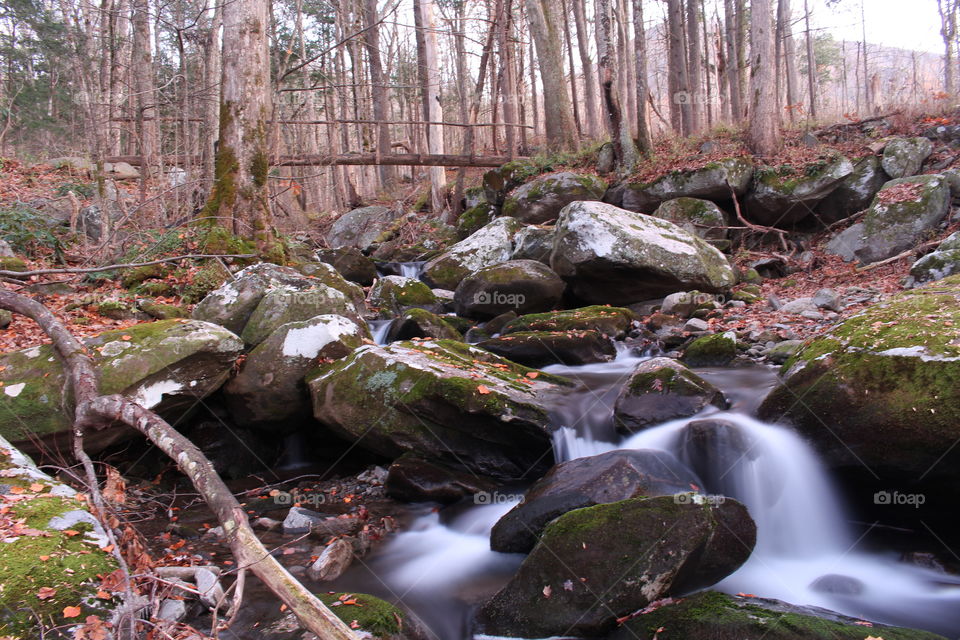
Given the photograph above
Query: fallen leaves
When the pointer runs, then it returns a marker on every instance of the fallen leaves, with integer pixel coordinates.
(71, 612)
(45, 593)
(482, 390)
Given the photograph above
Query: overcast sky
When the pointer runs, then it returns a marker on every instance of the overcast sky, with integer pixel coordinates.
(908, 24)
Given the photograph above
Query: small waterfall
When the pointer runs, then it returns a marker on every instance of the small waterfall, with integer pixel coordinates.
(379, 329)
(405, 269)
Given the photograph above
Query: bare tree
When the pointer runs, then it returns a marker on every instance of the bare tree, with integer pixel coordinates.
(948, 31)
(693, 67)
(432, 109)
(681, 114)
(643, 90)
(811, 62)
(785, 31)
(141, 68)
(764, 133)
(589, 80)
(732, 62)
(624, 149)
(378, 88)
(558, 113)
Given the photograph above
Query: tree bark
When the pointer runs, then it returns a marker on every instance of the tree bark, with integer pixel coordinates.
(693, 67)
(640, 43)
(240, 196)
(433, 110)
(680, 98)
(573, 72)
(764, 133)
(144, 89)
(378, 87)
(784, 19)
(812, 63)
(624, 149)
(94, 411)
(557, 111)
(732, 74)
(589, 79)
(948, 31)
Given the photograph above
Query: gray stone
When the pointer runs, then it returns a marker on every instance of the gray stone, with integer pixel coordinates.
(392, 295)
(209, 588)
(799, 305)
(534, 243)
(522, 286)
(300, 521)
(855, 192)
(361, 227)
(172, 610)
(490, 245)
(714, 182)
(903, 157)
(5, 250)
(334, 560)
(783, 351)
(695, 325)
(942, 262)
(699, 217)
(541, 199)
(827, 299)
(778, 199)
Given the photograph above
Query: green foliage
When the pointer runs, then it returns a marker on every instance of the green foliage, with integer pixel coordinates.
(26, 230)
(82, 189)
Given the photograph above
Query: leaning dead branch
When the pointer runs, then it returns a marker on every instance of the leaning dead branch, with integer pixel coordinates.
(129, 265)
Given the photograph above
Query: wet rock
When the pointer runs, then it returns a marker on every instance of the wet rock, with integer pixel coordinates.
(475, 218)
(334, 560)
(610, 255)
(659, 390)
(594, 565)
(300, 521)
(419, 323)
(713, 448)
(712, 182)
(585, 482)
(942, 262)
(414, 479)
(444, 400)
(351, 264)
(783, 198)
(833, 583)
(542, 348)
(613, 322)
(541, 199)
(902, 213)
(716, 350)
(393, 295)
(711, 615)
(523, 286)
(855, 192)
(784, 351)
(489, 246)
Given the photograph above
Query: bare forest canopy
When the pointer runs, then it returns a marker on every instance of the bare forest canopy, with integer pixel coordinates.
(337, 96)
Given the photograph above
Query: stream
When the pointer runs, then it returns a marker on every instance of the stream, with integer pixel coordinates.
(807, 551)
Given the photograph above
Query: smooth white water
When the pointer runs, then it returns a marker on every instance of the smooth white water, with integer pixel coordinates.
(802, 532)
(379, 330)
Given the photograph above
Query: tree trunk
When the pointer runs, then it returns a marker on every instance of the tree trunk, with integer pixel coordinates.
(680, 98)
(741, 34)
(378, 87)
(624, 149)
(784, 20)
(589, 81)
(693, 67)
(812, 63)
(143, 87)
(240, 196)
(508, 77)
(557, 111)
(573, 72)
(640, 51)
(764, 133)
(732, 62)
(210, 127)
(948, 31)
(433, 111)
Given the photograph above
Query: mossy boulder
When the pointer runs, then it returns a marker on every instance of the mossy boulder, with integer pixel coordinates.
(902, 214)
(373, 616)
(74, 565)
(541, 199)
(264, 296)
(351, 264)
(500, 181)
(711, 615)
(5, 318)
(716, 350)
(523, 286)
(700, 217)
(615, 256)
(942, 262)
(879, 390)
(533, 243)
(12, 263)
(269, 390)
(475, 218)
(443, 400)
(714, 181)
(165, 366)
(783, 196)
(393, 295)
(855, 192)
(659, 390)
(594, 565)
(161, 311)
(903, 157)
(132, 277)
(491, 245)
(420, 323)
(362, 227)
(542, 348)
(585, 482)
(613, 322)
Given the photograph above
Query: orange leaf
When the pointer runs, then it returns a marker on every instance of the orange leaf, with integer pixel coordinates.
(533, 374)
(36, 487)
(71, 612)
(126, 337)
(44, 558)
(16, 490)
(46, 593)
(103, 595)
(70, 532)
(483, 390)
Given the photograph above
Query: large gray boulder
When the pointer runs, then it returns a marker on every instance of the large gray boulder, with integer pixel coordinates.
(533, 243)
(541, 199)
(855, 192)
(393, 295)
(714, 181)
(521, 286)
(783, 198)
(702, 218)
(903, 157)
(443, 400)
(942, 262)
(165, 366)
(594, 565)
(292, 304)
(491, 245)
(585, 482)
(361, 227)
(614, 256)
(898, 219)
(269, 389)
(542, 348)
(611, 322)
(659, 390)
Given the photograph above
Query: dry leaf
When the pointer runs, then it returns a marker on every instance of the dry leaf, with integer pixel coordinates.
(483, 390)
(71, 612)
(45, 593)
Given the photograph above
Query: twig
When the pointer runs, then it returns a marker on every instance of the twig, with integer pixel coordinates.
(874, 265)
(756, 227)
(131, 265)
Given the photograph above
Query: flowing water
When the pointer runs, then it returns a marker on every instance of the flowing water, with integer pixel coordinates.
(806, 552)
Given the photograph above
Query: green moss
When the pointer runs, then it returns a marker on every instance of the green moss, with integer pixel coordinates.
(12, 263)
(259, 168)
(115, 309)
(72, 568)
(154, 289)
(474, 218)
(614, 321)
(163, 311)
(133, 277)
(372, 614)
(220, 241)
(209, 277)
(715, 350)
